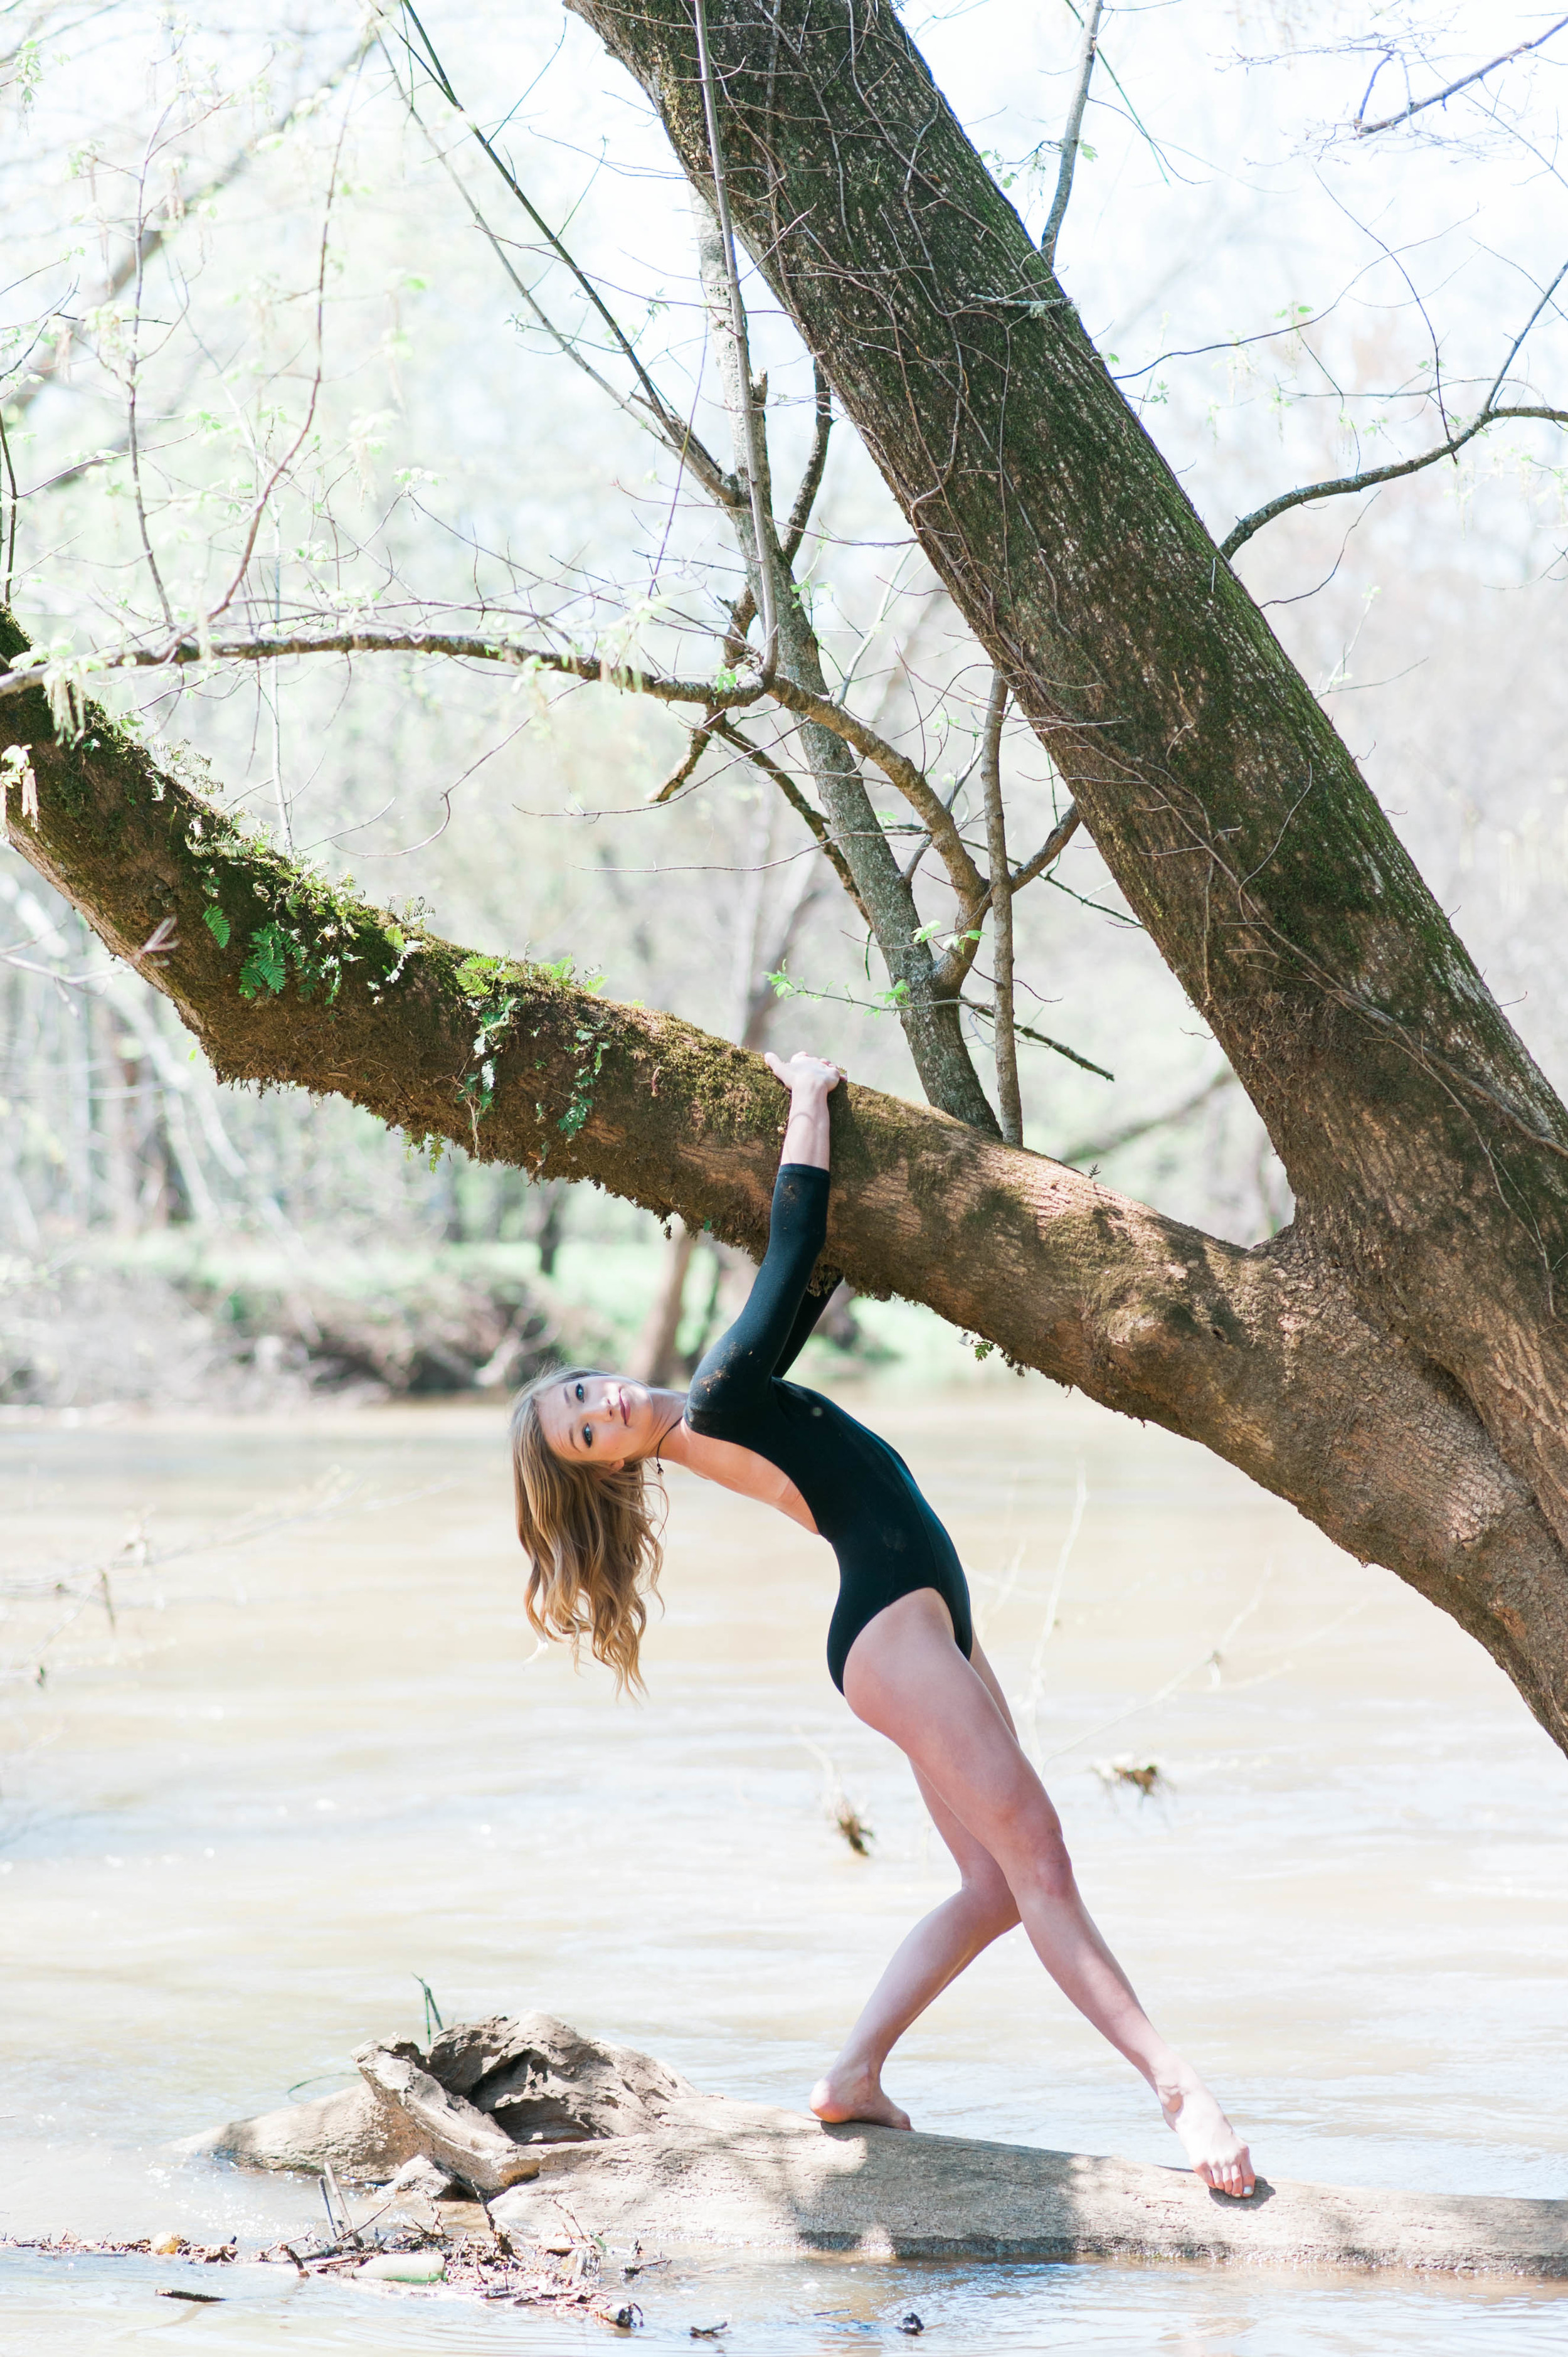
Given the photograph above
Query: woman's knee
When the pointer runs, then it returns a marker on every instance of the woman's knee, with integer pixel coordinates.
(992, 1906)
(1032, 1854)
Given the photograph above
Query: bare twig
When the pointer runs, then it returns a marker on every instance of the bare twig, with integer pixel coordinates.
(1072, 137)
(260, 505)
(1487, 415)
(811, 480)
(701, 739)
(1009, 1105)
(133, 389)
(1418, 106)
(743, 612)
(11, 524)
(1041, 1039)
(675, 430)
(1051, 850)
(1243, 529)
(899, 770)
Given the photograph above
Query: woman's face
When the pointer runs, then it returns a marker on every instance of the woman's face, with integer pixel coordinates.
(601, 1420)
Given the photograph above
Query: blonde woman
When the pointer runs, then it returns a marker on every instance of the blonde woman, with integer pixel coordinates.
(901, 1648)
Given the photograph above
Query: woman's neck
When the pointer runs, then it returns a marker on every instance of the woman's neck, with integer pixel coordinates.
(674, 1437)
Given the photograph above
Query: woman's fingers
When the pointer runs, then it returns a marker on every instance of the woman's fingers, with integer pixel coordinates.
(802, 1069)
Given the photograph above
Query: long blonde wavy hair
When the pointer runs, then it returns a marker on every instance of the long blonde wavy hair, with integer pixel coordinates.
(591, 1537)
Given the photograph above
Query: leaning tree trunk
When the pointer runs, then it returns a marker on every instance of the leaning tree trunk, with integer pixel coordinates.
(1428, 1156)
(1268, 1357)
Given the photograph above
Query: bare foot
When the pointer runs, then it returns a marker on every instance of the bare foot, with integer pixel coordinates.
(1216, 2153)
(848, 2093)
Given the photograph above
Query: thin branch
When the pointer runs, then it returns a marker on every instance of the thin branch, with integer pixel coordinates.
(701, 740)
(690, 449)
(1487, 415)
(743, 611)
(811, 480)
(912, 784)
(1072, 136)
(950, 802)
(11, 529)
(674, 428)
(1009, 1103)
(802, 702)
(1041, 1039)
(761, 521)
(1051, 850)
(260, 506)
(1419, 106)
(132, 385)
(451, 643)
(1248, 524)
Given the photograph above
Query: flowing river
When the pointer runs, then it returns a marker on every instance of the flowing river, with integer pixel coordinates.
(296, 1748)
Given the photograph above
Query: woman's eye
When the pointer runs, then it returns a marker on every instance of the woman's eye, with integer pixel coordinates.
(581, 1393)
(588, 1436)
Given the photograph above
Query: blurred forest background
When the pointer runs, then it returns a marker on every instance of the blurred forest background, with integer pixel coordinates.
(259, 268)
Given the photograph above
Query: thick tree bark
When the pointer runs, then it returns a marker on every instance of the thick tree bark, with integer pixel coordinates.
(1428, 1155)
(1264, 1356)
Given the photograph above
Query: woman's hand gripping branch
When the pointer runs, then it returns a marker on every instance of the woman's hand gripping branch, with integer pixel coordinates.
(810, 1081)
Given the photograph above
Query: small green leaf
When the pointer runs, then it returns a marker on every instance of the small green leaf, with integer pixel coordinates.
(266, 968)
(217, 924)
(476, 974)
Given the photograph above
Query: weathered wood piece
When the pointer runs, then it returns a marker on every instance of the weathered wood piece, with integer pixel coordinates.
(479, 2106)
(754, 2176)
(556, 2129)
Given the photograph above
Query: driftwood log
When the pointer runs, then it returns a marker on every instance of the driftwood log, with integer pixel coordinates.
(533, 2115)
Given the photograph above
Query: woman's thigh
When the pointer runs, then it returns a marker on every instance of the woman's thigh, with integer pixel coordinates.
(906, 1678)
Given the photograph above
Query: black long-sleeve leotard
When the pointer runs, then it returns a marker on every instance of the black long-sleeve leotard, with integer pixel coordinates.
(861, 1495)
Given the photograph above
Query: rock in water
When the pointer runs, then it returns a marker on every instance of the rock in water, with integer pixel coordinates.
(536, 2116)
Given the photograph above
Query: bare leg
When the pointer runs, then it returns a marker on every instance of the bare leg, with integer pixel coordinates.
(906, 1678)
(934, 1954)
(939, 1948)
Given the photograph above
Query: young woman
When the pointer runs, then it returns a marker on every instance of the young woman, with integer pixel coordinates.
(900, 1646)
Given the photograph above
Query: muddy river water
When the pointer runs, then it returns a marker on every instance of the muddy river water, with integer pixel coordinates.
(297, 1748)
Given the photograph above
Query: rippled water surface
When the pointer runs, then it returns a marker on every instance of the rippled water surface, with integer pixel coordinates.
(313, 1754)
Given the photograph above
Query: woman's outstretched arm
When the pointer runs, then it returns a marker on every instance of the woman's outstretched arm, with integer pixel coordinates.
(811, 1083)
(732, 1381)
